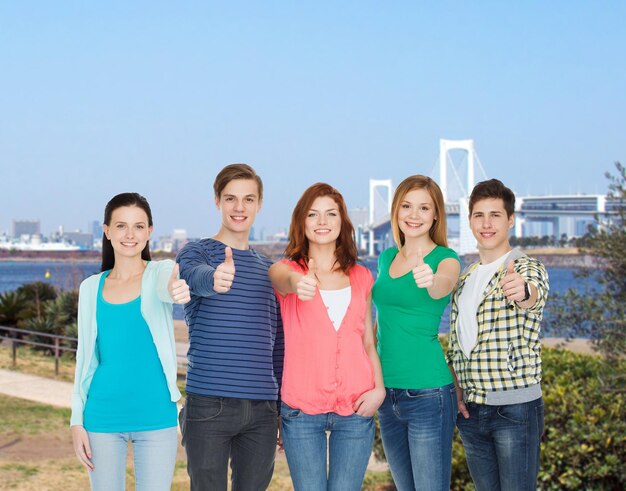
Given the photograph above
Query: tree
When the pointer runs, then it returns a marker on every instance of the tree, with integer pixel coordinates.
(12, 305)
(600, 312)
(37, 295)
(12, 310)
(59, 317)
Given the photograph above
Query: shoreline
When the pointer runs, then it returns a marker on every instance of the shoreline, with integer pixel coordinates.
(550, 257)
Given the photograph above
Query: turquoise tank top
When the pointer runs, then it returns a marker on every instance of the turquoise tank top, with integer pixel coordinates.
(128, 391)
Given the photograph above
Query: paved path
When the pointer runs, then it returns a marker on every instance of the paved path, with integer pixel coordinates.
(34, 388)
(49, 391)
(181, 354)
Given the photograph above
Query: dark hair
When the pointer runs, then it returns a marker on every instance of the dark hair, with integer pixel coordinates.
(236, 171)
(123, 199)
(298, 247)
(493, 189)
(438, 231)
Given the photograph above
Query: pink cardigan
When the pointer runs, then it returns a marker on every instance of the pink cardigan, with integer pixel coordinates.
(325, 370)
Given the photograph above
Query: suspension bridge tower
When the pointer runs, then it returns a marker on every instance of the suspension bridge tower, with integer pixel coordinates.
(375, 214)
(456, 191)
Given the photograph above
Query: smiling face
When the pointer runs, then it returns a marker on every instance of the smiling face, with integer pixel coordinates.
(416, 213)
(490, 225)
(239, 203)
(128, 231)
(323, 221)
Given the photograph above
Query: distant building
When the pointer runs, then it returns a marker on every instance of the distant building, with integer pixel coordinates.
(280, 236)
(83, 240)
(171, 243)
(26, 228)
(360, 220)
(96, 229)
(179, 239)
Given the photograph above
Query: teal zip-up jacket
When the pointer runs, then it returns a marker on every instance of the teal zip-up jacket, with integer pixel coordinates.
(156, 309)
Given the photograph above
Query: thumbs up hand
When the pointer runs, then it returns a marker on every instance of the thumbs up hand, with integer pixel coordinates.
(513, 284)
(179, 289)
(423, 273)
(307, 284)
(224, 273)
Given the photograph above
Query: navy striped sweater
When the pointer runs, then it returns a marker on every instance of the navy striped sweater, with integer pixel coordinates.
(236, 342)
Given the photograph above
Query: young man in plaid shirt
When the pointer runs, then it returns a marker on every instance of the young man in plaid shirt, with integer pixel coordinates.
(495, 351)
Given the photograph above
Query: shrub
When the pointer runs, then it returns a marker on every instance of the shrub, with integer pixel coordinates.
(584, 444)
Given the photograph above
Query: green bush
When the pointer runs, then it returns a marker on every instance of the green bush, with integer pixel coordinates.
(584, 444)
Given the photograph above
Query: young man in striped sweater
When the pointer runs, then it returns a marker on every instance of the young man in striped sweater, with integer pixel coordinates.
(235, 346)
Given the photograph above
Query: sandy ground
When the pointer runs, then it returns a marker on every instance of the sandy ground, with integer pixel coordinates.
(576, 345)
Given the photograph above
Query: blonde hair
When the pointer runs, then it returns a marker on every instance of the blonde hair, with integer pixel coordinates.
(438, 232)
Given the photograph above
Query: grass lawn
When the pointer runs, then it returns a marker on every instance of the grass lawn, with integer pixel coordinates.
(34, 362)
(36, 446)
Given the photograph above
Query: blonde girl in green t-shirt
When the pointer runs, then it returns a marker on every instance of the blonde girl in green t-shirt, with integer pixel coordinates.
(411, 292)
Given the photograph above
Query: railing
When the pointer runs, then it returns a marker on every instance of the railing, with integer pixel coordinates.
(56, 344)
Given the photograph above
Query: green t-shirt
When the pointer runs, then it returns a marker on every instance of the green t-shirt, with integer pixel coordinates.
(408, 326)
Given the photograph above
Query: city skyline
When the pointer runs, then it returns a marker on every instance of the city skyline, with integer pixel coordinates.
(155, 98)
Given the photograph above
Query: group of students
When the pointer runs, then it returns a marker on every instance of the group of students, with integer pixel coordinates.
(288, 353)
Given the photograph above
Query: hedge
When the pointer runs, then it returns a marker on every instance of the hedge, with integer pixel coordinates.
(584, 443)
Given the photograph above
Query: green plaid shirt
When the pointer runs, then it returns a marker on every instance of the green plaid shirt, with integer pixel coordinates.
(507, 354)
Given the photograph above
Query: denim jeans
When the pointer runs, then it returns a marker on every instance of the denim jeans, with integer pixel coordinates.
(502, 445)
(416, 426)
(154, 455)
(215, 429)
(307, 447)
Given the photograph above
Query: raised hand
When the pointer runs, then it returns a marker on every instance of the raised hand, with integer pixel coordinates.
(513, 284)
(423, 273)
(224, 273)
(307, 284)
(179, 289)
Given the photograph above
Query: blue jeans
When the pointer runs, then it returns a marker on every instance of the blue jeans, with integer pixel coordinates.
(502, 445)
(215, 429)
(348, 449)
(416, 426)
(154, 455)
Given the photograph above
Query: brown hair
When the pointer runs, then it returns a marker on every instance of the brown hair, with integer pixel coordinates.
(236, 171)
(298, 247)
(438, 231)
(493, 189)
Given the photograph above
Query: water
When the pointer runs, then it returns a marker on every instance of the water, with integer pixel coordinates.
(68, 275)
(63, 275)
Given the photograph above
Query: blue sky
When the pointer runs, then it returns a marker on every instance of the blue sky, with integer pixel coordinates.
(155, 97)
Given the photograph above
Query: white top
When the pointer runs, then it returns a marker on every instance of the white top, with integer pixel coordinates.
(337, 302)
(469, 301)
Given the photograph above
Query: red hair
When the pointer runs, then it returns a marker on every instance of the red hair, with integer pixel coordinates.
(298, 247)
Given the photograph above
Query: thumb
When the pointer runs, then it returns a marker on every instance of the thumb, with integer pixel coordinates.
(509, 268)
(312, 268)
(420, 257)
(175, 272)
(228, 254)
(357, 403)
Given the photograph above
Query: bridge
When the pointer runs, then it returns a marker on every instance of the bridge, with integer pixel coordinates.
(554, 215)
